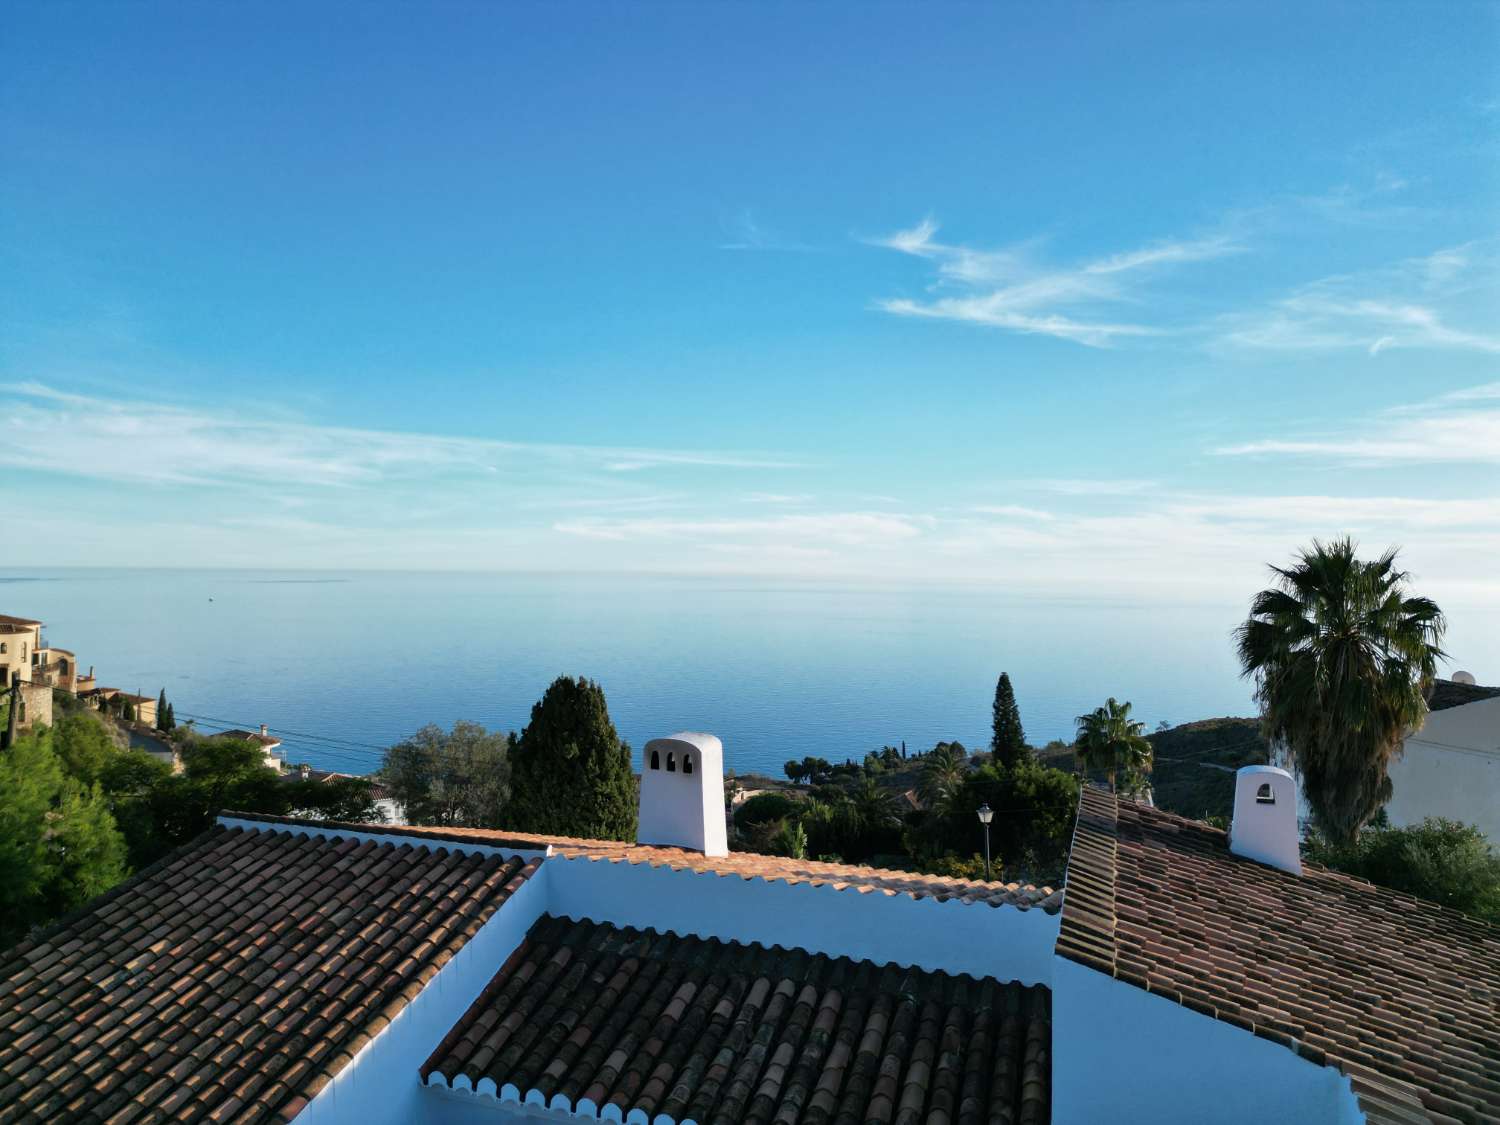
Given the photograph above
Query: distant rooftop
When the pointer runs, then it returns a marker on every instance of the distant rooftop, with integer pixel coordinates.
(1452, 693)
(7, 619)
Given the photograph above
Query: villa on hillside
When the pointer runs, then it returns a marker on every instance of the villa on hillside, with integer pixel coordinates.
(269, 744)
(29, 663)
(1451, 766)
(280, 970)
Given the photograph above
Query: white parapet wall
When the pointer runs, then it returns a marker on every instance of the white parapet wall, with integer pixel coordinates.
(1004, 942)
(1120, 1053)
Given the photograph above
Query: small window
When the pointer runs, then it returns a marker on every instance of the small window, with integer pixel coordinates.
(671, 762)
(656, 759)
(1265, 795)
(2, 648)
(687, 763)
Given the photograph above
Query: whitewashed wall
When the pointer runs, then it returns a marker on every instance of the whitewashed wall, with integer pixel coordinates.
(1121, 1054)
(1004, 942)
(1451, 768)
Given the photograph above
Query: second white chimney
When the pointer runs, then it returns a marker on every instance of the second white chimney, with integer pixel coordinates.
(682, 793)
(1265, 818)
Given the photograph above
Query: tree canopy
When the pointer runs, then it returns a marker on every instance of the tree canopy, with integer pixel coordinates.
(1008, 742)
(1111, 741)
(1343, 657)
(571, 774)
(455, 777)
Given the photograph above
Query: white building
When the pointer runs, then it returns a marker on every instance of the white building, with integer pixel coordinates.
(1451, 767)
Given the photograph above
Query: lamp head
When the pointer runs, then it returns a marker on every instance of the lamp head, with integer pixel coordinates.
(986, 814)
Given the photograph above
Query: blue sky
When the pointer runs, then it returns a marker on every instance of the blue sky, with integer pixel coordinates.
(1122, 299)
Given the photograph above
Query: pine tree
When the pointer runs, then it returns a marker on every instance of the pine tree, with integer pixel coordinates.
(171, 719)
(1009, 741)
(161, 710)
(570, 773)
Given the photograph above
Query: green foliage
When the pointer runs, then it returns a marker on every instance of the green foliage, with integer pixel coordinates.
(1111, 741)
(59, 845)
(169, 724)
(571, 774)
(1440, 860)
(764, 807)
(161, 710)
(814, 771)
(1185, 777)
(791, 840)
(1009, 738)
(942, 775)
(1342, 659)
(457, 777)
(1034, 807)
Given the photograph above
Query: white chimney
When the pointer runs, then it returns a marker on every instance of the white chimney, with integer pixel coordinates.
(263, 732)
(1265, 818)
(682, 793)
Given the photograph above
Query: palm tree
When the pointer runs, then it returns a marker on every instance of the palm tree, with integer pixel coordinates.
(874, 806)
(942, 777)
(1110, 740)
(1343, 659)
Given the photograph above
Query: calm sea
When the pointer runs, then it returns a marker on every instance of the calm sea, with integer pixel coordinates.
(341, 665)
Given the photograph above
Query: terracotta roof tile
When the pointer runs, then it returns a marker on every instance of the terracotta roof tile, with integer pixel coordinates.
(200, 988)
(745, 864)
(723, 1031)
(1400, 994)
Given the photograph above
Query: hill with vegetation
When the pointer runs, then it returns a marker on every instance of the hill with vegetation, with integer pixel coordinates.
(1194, 764)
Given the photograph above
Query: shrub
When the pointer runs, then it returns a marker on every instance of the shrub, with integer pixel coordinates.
(764, 807)
(1443, 861)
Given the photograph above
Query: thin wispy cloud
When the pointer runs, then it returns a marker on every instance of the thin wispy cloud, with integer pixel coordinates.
(1013, 289)
(1455, 428)
(153, 443)
(1406, 305)
(746, 232)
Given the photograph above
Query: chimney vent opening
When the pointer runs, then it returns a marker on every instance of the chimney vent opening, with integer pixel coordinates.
(687, 763)
(1265, 795)
(671, 762)
(656, 759)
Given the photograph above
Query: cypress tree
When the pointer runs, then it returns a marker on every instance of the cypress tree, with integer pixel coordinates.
(570, 773)
(171, 721)
(161, 710)
(1009, 741)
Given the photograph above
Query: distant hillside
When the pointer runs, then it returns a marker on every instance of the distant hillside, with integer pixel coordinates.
(1195, 764)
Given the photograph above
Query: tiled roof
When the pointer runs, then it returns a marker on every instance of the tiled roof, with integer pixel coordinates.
(1400, 994)
(233, 979)
(716, 1031)
(7, 619)
(249, 736)
(1451, 693)
(745, 864)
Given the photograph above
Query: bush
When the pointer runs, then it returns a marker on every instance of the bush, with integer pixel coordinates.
(764, 807)
(1443, 861)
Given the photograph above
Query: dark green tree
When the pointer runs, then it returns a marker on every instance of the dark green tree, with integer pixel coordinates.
(171, 720)
(457, 777)
(1111, 741)
(59, 846)
(570, 772)
(1009, 739)
(1343, 657)
(161, 710)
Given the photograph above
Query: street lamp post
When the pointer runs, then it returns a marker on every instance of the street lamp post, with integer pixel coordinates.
(986, 814)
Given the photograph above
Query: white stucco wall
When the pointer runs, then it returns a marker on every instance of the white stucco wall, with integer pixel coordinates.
(1451, 768)
(1121, 1054)
(1004, 942)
